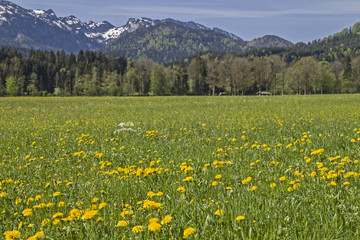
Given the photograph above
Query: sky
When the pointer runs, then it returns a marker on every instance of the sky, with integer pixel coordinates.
(294, 20)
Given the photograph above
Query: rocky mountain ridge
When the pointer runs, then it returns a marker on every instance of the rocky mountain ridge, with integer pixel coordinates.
(42, 29)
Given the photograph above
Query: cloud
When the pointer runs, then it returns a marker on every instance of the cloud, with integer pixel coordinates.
(225, 13)
(226, 9)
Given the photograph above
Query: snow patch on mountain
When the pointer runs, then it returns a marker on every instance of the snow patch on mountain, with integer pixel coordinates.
(113, 33)
(94, 25)
(62, 25)
(72, 20)
(21, 20)
(2, 11)
(38, 13)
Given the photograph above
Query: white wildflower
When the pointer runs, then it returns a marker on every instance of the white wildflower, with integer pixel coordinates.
(125, 127)
(126, 124)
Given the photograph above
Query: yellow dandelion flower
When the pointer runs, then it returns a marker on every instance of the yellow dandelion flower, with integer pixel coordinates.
(122, 223)
(215, 183)
(188, 232)
(220, 212)
(20, 225)
(188, 179)
(181, 189)
(319, 152)
(346, 183)
(37, 235)
(283, 178)
(154, 226)
(137, 229)
(27, 212)
(56, 194)
(3, 194)
(166, 219)
(126, 213)
(58, 215)
(11, 234)
(240, 218)
(332, 183)
(102, 205)
(160, 194)
(56, 221)
(151, 220)
(151, 204)
(253, 188)
(100, 219)
(218, 176)
(89, 215)
(45, 221)
(272, 185)
(75, 213)
(50, 204)
(151, 194)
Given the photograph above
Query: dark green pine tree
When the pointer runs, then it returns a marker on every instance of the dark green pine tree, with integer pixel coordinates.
(181, 83)
(197, 76)
(347, 77)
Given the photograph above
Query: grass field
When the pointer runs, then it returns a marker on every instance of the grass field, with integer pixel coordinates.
(180, 167)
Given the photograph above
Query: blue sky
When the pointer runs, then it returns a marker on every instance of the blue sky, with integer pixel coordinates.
(294, 20)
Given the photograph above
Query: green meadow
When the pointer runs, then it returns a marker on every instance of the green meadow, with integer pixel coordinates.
(278, 167)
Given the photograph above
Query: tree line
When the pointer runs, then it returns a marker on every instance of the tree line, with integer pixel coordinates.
(88, 73)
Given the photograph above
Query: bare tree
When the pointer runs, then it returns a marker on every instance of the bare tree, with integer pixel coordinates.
(336, 68)
(276, 65)
(305, 74)
(240, 73)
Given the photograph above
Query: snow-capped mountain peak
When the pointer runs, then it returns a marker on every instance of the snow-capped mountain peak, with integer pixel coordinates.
(134, 24)
(43, 14)
(71, 20)
(45, 27)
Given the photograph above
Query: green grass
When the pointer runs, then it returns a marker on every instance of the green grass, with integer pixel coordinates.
(75, 146)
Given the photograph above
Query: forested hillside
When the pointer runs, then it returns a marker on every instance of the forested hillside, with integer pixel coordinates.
(168, 42)
(332, 48)
(94, 74)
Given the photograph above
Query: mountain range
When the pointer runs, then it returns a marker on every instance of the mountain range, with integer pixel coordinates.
(161, 40)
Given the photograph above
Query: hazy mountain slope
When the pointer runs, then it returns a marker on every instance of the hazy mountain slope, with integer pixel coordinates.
(162, 40)
(170, 42)
(269, 41)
